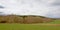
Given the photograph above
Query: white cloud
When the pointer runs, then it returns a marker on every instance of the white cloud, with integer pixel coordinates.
(31, 7)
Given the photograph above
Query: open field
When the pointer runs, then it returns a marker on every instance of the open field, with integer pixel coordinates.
(40, 26)
(28, 27)
(55, 22)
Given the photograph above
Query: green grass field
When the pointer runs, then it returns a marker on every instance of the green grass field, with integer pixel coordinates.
(31, 26)
(55, 22)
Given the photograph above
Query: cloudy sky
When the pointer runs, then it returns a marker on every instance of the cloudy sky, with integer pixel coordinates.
(49, 8)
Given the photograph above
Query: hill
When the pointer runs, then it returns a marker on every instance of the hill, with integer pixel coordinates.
(24, 19)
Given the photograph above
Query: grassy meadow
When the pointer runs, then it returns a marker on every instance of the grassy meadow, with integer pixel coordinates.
(40, 26)
(55, 22)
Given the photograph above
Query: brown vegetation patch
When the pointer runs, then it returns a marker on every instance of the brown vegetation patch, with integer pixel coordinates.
(24, 19)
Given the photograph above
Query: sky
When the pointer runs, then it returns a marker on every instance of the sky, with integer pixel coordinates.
(48, 8)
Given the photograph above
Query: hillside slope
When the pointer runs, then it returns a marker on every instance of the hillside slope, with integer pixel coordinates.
(24, 19)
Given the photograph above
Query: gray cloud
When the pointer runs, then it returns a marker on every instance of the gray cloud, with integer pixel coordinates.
(54, 10)
(1, 6)
(56, 3)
